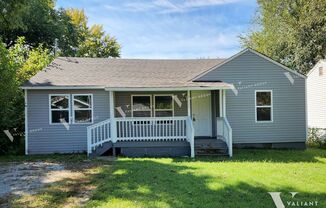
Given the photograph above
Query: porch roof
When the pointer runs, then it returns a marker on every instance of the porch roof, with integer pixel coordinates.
(66, 72)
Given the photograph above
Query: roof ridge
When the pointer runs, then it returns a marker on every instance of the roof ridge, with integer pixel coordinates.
(145, 59)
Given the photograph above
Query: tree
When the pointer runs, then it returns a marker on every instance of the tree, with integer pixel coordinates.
(92, 42)
(18, 64)
(41, 23)
(290, 31)
(97, 44)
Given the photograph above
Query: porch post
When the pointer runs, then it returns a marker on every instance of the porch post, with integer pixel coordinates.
(188, 103)
(113, 123)
(224, 106)
(221, 103)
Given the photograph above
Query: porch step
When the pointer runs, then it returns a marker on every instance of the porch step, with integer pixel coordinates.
(100, 150)
(206, 152)
(210, 147)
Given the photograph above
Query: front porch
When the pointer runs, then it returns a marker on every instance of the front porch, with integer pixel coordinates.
(163, 129)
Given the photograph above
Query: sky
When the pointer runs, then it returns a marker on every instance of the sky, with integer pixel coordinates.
(171, 29)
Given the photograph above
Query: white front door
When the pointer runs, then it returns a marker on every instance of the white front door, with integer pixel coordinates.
(201, 112)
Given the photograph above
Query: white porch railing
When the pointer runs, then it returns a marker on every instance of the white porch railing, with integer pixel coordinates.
(224, 130)
(141, 129)
(151, 129)
(98, 134)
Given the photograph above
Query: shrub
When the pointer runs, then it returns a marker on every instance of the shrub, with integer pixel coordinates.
(317, 138)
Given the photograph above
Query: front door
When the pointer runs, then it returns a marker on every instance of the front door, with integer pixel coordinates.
(201, 112)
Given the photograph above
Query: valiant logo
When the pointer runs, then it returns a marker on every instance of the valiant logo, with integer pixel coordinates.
(276, 196)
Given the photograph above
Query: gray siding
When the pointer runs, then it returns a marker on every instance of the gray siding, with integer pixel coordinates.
(250, 72)
(48, 138)
(123, 101)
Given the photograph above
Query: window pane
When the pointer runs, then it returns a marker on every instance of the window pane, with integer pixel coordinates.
(60, 116)
(142, 114)
(264, 114)
(263, 98)
(141, 103)
(82, 101)
(59, 102)
(163, 114)
(83, 116)
(163, 102)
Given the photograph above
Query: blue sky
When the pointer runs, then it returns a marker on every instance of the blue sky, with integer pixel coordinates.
(171, 28)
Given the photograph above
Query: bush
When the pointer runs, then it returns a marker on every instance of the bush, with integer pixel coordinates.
(317, 138)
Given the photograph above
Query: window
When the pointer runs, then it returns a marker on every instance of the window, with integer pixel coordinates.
(321, 71)
(141, 106)
(163, 106)
(59, 109)
(264, 106)
(83, 108)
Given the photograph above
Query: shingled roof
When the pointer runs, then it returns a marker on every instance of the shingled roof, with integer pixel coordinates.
(123, 73)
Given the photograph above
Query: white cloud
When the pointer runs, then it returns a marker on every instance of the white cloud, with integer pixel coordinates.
(204, 3)
(168, 6)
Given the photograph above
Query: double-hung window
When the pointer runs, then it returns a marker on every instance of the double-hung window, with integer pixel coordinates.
(163, 106)
(264, 106)
(82, 108)
(59, 108)
(141, 106)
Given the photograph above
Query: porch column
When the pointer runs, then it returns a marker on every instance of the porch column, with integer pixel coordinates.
(224, 105)
(113, 122)
(221, 103)
(188, 103)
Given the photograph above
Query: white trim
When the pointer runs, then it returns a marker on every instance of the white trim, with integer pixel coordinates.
(255, 52)
(113, 123)
(132, 103)
(264, 106)
(161, 95)
(188, 103)
(221, 103)
(121, 89)
(26, 123)
(306, 109)
(153, 89)
(50, 110)
(224, 103)
(62, 87)
(73, 108)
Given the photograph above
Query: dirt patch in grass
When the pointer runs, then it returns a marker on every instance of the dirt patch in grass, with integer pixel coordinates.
(42, 184)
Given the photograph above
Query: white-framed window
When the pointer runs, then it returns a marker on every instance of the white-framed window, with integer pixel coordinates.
(82, 108)
(264, 105)
(141, 105)
(59, 108)
(163, 105)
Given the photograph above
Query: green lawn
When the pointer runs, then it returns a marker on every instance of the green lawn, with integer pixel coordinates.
(242, 181)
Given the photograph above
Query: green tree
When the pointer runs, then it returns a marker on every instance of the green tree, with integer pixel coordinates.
(290, 31)
(18, 64)
(92, 42)
(41, 23)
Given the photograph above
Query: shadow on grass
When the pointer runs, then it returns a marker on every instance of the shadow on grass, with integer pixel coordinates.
(313, 155)
(162, 183)
(149, 183)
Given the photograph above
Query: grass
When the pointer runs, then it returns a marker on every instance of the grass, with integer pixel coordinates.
(243, 181)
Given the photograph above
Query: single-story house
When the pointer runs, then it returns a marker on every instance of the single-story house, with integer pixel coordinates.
(137, 107)
(316, 95)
